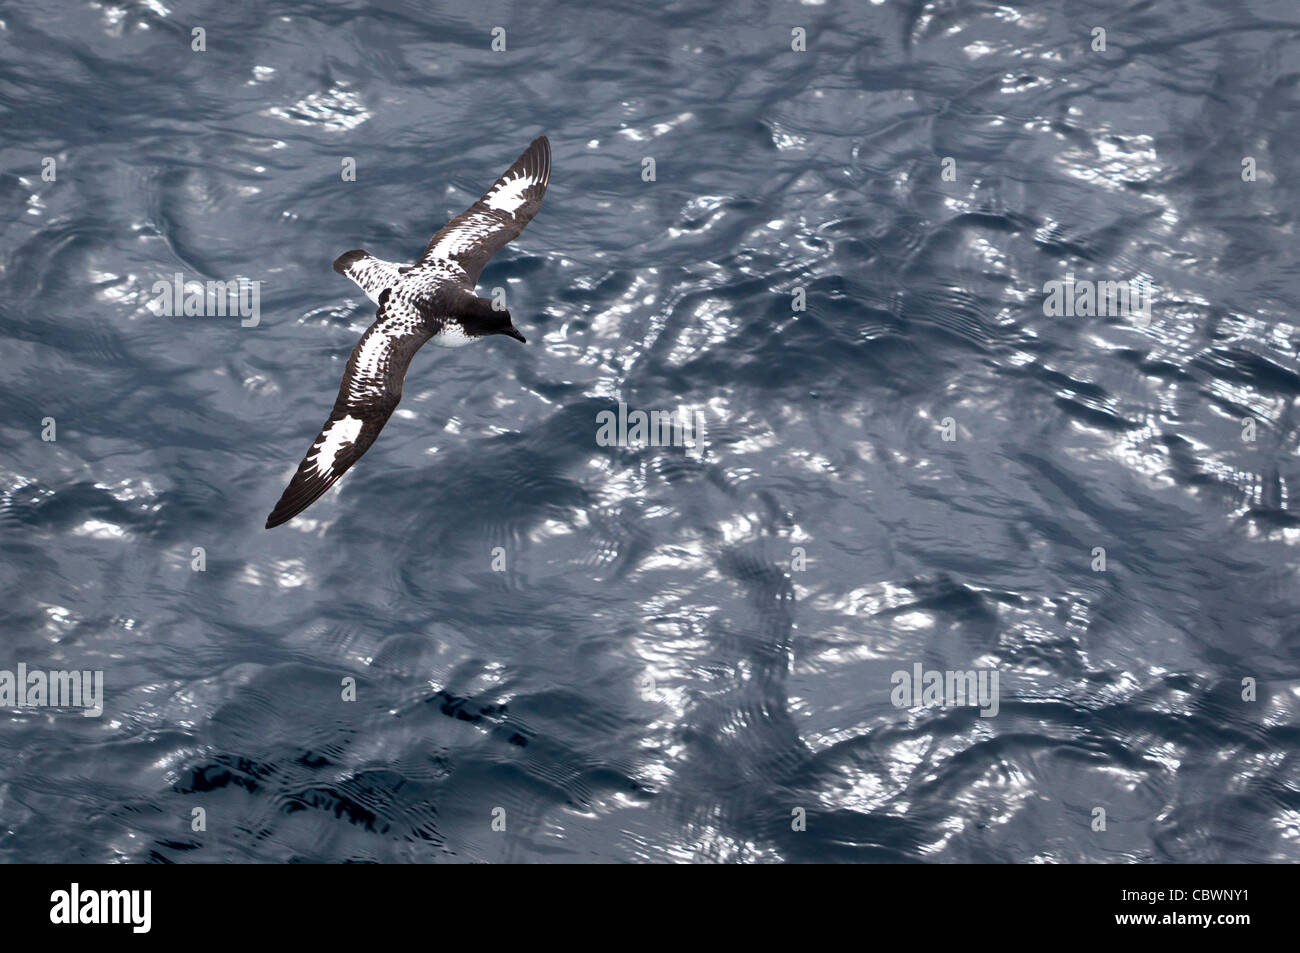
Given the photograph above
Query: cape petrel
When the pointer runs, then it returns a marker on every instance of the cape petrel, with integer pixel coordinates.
(432, 300)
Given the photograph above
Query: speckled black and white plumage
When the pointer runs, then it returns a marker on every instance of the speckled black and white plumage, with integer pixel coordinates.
(432, 300)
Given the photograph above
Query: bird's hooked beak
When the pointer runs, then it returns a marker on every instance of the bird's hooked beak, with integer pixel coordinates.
(512, 332)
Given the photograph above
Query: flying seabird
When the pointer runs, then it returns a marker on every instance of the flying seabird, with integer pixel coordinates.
(432, 300)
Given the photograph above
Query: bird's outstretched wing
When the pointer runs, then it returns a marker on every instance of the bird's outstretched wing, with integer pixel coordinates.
(371, 389)
(483, 229)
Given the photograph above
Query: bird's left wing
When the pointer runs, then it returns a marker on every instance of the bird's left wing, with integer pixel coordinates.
(483, 229)
(371, 389)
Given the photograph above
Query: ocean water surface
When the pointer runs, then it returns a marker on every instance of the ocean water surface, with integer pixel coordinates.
(498, 639)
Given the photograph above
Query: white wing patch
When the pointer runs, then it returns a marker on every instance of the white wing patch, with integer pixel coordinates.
(369, 379)
(509, 195)
(468, 233)
(372, 364)
(339, 434)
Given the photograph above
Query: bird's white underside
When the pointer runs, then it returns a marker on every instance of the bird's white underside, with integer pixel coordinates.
(451, 335)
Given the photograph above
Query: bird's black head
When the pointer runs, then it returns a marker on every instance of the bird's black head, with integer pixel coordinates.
(480, 319)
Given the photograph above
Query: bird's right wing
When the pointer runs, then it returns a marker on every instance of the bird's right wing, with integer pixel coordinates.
(370, 391)
(483, 229)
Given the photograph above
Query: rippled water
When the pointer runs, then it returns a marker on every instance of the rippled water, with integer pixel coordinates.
(688, 655)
